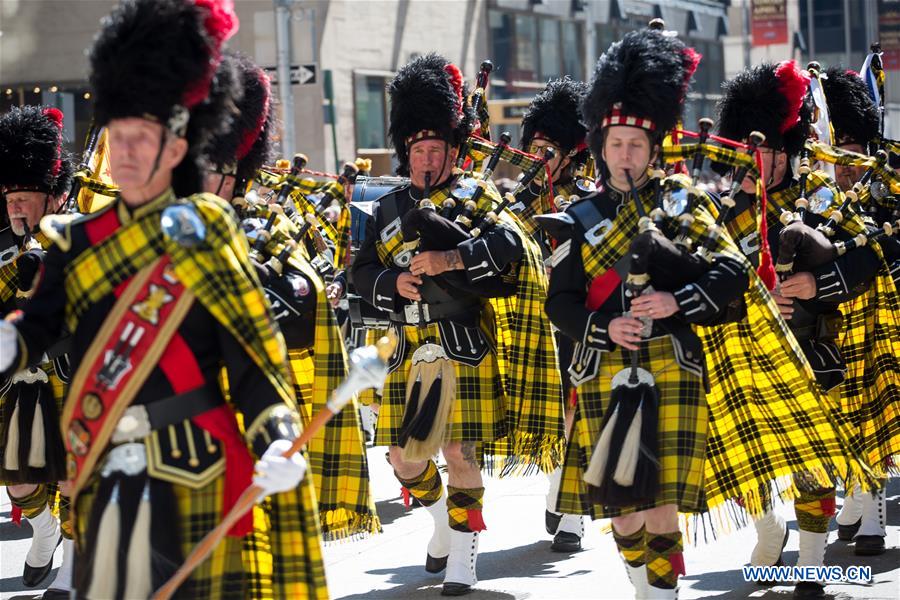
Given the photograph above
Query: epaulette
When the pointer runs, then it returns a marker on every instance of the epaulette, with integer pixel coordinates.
(559, 225)
(584, 212)
(58, 228)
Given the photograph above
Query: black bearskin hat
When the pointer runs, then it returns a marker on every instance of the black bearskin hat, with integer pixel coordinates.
(427, 102)
(555, 114)
(247, 144)
(640, 81)
(159, 59)
(32, 157)
(853, 114)
(769, 98)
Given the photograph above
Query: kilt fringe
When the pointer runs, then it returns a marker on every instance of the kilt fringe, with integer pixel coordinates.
(344, 525)
(527, 454)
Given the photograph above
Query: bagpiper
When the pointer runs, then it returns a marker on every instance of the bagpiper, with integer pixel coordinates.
(682, 364)
(296, 292)
(856, 123)
(459, 302)
(35, 176)
(159, 294)
(773, 99)
(553, 120)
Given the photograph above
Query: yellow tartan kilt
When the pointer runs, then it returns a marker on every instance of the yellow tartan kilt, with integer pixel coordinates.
(59, 388)
(683, 417)
(479, 407)
(281, 557)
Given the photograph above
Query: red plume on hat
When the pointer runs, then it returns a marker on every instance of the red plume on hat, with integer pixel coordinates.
(55, 116)
(456, 81)
(220, 23)
(793, 85)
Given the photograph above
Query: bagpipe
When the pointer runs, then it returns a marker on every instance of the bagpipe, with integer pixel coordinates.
(803, 247)
(283, 253)
(316, 201)
(319, 220)
(425, 227)
(663, 253)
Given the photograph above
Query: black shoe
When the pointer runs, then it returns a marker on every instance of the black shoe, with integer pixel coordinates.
(55, 594)
(565, 541)
(455, 589)
(869, 545)
(809, 590)
(551, 521)
(435, 565)
(33, 576)
(847, 532)
(779, 562)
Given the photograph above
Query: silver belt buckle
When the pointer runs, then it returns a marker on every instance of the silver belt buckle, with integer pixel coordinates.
(130, 459)
(414, 313)
(133, 425)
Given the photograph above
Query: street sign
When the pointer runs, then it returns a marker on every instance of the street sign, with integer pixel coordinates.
(300, 74)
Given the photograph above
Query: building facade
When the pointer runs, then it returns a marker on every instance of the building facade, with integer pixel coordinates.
(344, 52)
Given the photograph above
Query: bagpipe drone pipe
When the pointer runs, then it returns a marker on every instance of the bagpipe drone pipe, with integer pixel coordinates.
(280, 253)
(804, 247)
(314, 206)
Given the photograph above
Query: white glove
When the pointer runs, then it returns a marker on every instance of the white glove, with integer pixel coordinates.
(274, 473)
(9, 344)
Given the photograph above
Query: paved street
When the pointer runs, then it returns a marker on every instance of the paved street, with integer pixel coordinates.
(515, 560)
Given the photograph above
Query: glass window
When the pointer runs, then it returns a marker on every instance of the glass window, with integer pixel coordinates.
(371, 111)
(501, 25)
(572, 50)
(526, 48)
(550, 49)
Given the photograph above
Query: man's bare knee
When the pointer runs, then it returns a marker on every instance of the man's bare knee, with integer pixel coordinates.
(404, 469)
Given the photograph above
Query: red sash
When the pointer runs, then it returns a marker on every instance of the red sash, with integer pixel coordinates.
(127, 348)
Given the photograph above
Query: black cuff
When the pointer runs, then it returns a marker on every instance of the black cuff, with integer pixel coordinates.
(278, 422)
(596, 332)
(384, 293)
(830, 283)
(694, 304)
(477, 260)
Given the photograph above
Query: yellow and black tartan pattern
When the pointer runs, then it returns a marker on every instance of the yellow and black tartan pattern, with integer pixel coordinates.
(682, 432)
(766, 416)
(632, 547)
(459, 502)
(660, 549)
(337, 454)
(338, 233)
(869, 343)
(480, 150)
(218, 272)
(839, 156)
(673, 153)
(810, 510)
(526, 354)
(8, 279)
(479, 403)
(8, 272)
(280, 558)
(427, 487)
(543, 204)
